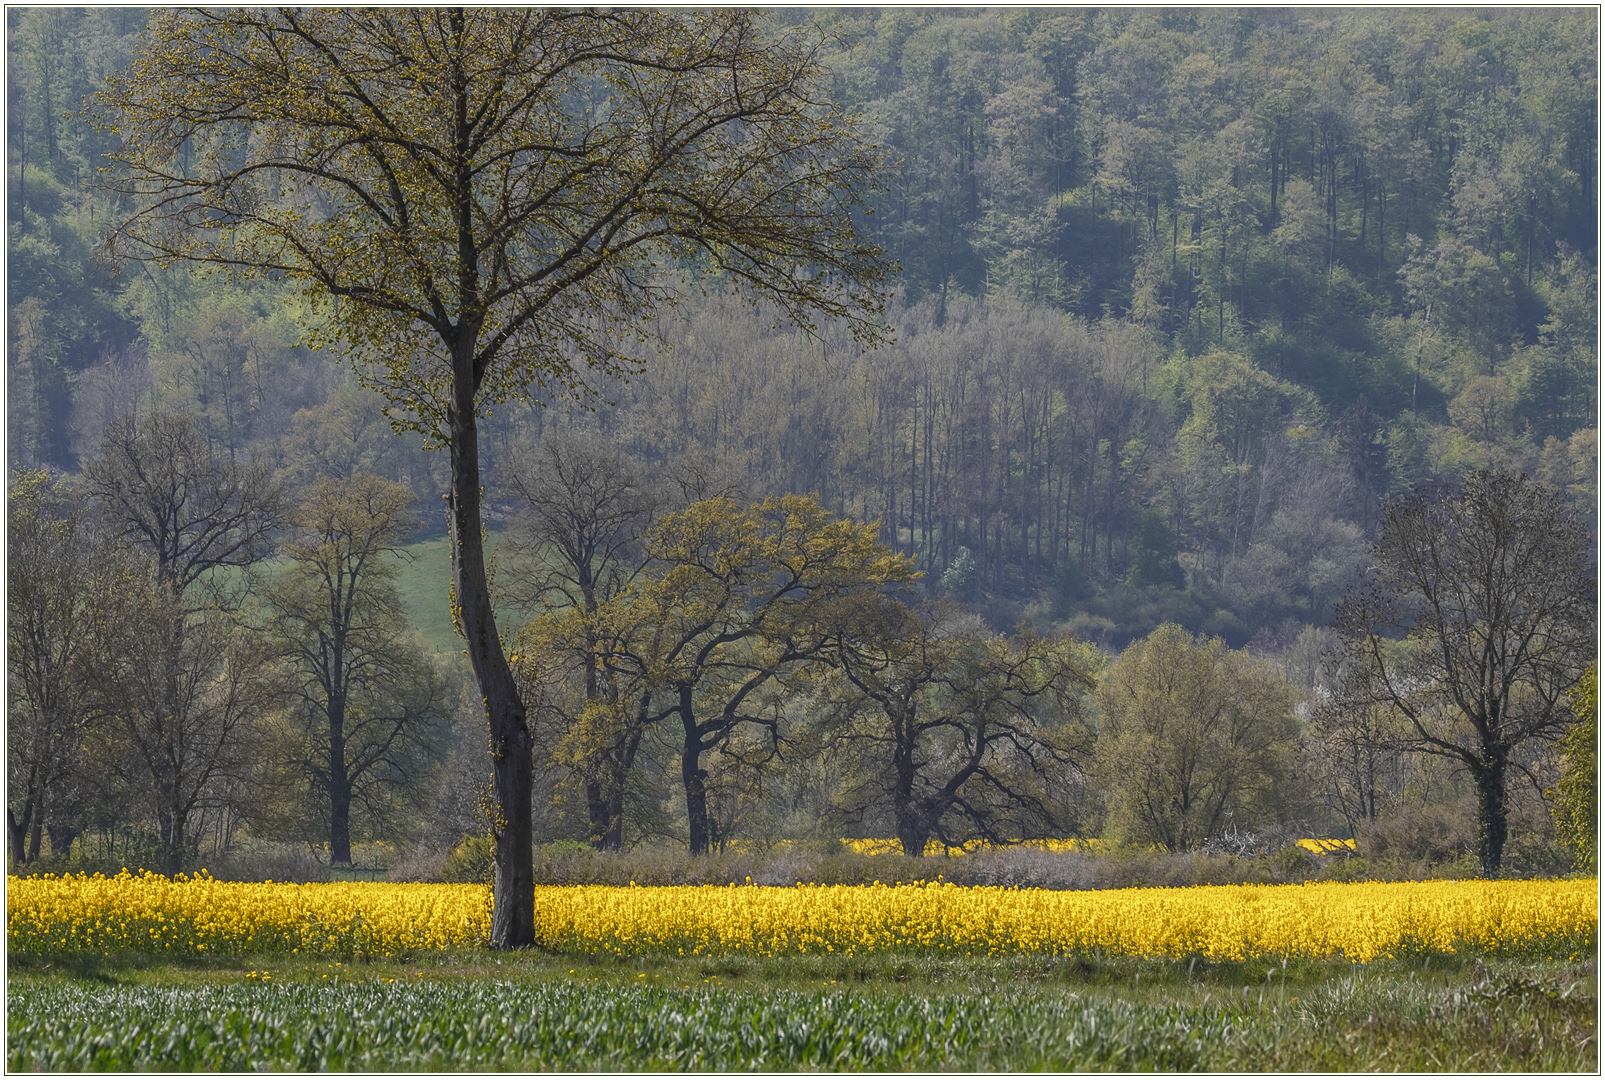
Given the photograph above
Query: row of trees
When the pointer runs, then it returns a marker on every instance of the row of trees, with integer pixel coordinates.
(153, 676)
(1462, 639)
(774, 651)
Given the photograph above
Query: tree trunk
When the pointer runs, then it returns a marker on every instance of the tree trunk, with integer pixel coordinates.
(1489, 775)
(19, 829)
(512, 922)
(174, 838)
(18, 834)
(1382, 235)
(596, 807)
(693, 777)
(340, 823)
(613, 807)
(913, 825)
(613, 837)
(61, 838)
(339, 785)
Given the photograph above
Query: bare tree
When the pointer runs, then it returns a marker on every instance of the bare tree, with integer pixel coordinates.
(368, 703)
(577, 539)
(178, 676)
(160, 485)
(53, 568)
(1475, 620)
(577, 544)
(966, 726)
(1359, 757)
(179, 691)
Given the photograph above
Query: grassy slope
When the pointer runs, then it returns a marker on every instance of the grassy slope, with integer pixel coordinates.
(476, 1010)
(424, 581)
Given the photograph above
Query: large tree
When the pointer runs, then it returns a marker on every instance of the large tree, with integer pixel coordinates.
(732, 601)
(1475, 620)
(367, 701)
(966, 729)
(174, 675)
(179, 693)
(475, 201)
(1192, 734)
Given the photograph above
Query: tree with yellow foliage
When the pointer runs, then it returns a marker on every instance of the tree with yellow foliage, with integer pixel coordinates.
(731, 602)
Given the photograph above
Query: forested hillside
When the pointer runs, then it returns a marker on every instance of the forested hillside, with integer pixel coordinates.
(1184, 298)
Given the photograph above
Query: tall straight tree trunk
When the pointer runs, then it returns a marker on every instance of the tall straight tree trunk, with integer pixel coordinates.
(1489, 775)
(693, 777)
(513, 921)
(1382, 236)
(340, 823)
(339, 801)
(339, 780)
(1276, 176)
(1532, 214)
(1365, 202)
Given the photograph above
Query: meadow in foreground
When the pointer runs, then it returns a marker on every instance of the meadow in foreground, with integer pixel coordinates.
(471, 1010)
(139, 973)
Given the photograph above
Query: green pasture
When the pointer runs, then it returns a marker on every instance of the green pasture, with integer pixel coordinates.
(424, 581)
(535, 1011)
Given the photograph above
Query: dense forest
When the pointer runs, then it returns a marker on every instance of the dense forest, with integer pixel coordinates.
(1186, 298)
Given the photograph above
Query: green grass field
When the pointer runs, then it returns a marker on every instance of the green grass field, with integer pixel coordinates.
(424, 581)
(533, 1011)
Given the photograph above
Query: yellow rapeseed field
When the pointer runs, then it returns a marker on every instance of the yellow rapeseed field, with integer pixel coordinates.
(1359, 922)
(201, 915)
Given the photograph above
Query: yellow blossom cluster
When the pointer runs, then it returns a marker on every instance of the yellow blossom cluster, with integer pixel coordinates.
(1359, 922)
(200, 915)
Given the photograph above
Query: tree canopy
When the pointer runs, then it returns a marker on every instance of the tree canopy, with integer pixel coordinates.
(477, 202)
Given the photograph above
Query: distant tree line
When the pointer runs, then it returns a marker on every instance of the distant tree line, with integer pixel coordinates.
(1198, 312)
(193, 659)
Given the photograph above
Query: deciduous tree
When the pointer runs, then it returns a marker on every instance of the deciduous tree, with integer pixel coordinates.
(1576, 796)
(1475, 620)
(180, 692)
(966, 729)
(52, 568)
(577, 544)
(368, 705)
(732, 601)
(478, 201)
(175, 676)
(190, 507)
(1192, 735)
